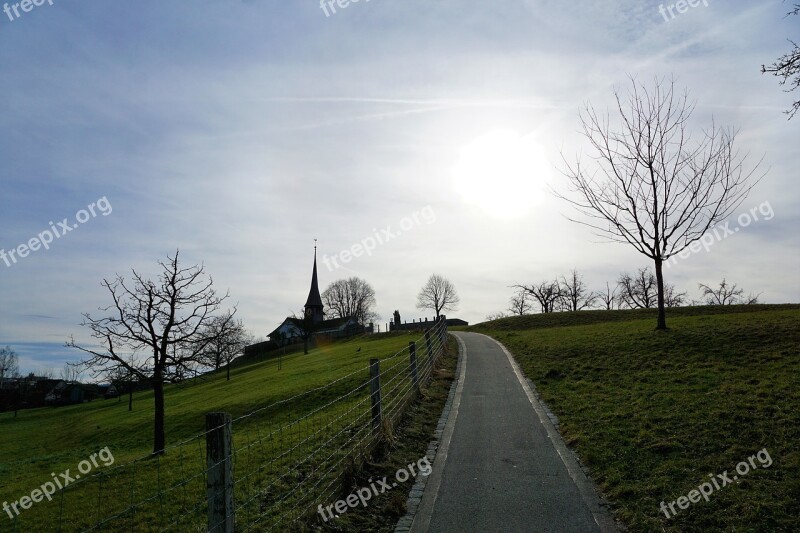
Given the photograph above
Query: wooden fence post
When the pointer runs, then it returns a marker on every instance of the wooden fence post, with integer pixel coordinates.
(219, 481)
(443, 332)
(375, 392)
(428, 343)
(412, 349)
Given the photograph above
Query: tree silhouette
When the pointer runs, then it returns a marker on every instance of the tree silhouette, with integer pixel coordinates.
(652, 186)
(165, 321)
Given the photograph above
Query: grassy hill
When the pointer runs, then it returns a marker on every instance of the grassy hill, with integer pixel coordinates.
(653, 413)
(50, 440)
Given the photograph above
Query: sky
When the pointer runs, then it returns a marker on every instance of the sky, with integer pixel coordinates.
(430, 132)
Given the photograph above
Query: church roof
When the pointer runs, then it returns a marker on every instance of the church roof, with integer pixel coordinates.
(314, 299)
(332, 324)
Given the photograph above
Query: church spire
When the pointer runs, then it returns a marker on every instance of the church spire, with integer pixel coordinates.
(313, 305)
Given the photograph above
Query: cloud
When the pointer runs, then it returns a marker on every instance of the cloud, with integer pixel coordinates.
(240, 132)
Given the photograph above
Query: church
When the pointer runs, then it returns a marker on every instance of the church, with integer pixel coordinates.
(313, 324)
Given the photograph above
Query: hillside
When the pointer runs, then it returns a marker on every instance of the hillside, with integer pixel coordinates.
(652, 413)
(51, 440)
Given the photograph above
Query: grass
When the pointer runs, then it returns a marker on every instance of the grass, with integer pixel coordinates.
(39, 442)
(653, 413)
(408, 445)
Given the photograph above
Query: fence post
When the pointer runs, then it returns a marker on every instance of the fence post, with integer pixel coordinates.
(412, 349)
(428, 343)
(219, 481)
(443, 332)
(375, 392)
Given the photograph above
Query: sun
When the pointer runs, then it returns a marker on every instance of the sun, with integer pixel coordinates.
(503, 173)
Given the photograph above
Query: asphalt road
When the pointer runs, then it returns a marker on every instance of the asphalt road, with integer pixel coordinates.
(501, 467)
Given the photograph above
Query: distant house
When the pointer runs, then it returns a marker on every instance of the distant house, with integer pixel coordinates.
(291, 330)
(397, 325)
(107, 391)
(71, 392)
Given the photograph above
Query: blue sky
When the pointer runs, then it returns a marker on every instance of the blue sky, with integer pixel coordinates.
(241, 131)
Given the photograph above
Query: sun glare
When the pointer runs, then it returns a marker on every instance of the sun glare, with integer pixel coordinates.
(503, 173)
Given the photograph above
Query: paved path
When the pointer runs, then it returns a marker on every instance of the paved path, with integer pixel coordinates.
(501, 465)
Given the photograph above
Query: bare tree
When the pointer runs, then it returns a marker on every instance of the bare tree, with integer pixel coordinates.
(787, 67)
(9, 365)
(575, 296)
(228, 341)
(520, 303)
(638, 291)
(70, 373)
(495, 316)
(438, 294)
(654, 187)
(352, 297)
(547, 293)
(306, 327)
(609, 297)
(123, 380)
(166, 321)
(673, 298)
(726, 295)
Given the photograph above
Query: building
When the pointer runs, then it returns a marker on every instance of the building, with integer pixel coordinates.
(313, 324)
(397, 325)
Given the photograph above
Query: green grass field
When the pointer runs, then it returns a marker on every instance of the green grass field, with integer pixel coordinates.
(50, 440)
(653, 413)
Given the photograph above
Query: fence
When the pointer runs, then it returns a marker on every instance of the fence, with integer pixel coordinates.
(263, 471)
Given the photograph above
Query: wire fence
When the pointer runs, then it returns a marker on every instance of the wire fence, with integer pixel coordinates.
(263, 471)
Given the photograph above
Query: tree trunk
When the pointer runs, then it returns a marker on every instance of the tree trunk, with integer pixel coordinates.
(158, 425)
(130, 396)
(662, 317)
(228, 368)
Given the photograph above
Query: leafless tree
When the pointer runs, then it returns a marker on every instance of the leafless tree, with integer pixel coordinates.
(123, 380)
(672, 297)
(9, 365)
(547, 293)
(166, 321)
(352, 297)
(609, 297)
(306, 326)
(787, 67)
(639, 291)
(726, 295)
(495, 316)
(520, 303)
(70, 373)
(653, 187)
(575, 295)
(438, 294)
(228, 341)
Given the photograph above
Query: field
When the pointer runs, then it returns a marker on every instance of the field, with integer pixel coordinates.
(169, 492)
(653, 413)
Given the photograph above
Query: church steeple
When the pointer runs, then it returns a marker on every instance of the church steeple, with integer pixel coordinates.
(313, 307)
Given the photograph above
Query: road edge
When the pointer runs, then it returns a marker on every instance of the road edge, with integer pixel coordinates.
(422, 498)
(589, 493)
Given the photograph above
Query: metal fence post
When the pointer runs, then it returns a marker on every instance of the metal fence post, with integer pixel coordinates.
(219, 483)
(375, 392)
(412, 349)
